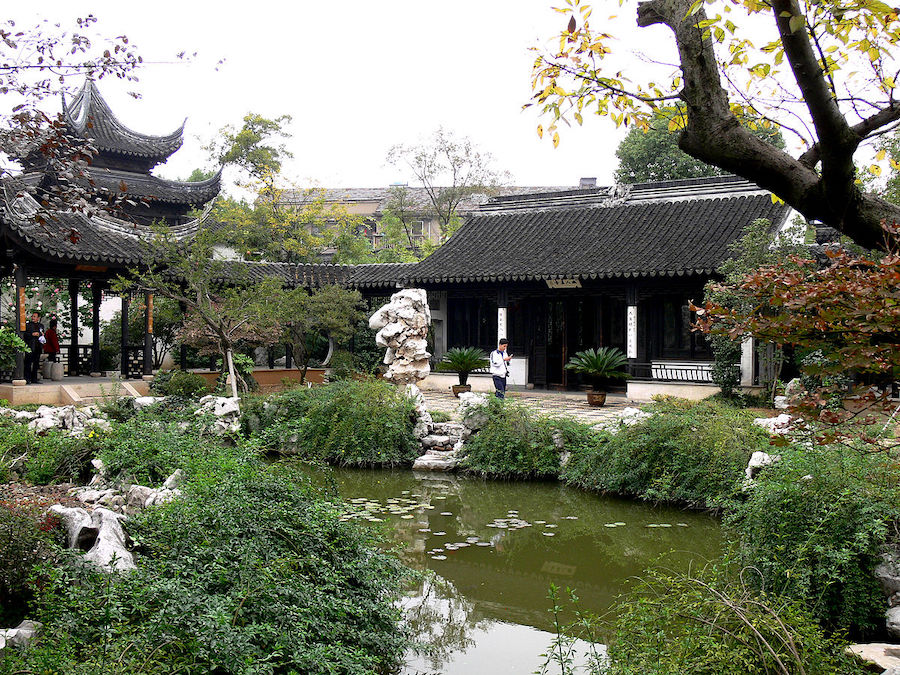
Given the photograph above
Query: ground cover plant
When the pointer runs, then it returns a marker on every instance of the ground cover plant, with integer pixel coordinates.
(715, 622)
(248, 572)
(689, 452)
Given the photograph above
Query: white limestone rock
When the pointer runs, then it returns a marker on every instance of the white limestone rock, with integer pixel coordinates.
(472, 411)
(881, 654)
(888, 574)
(758, 461)
(110, 552)
(781, 402)
(146, 401)
(174, 481)
(81, 532)
(402, 328)
(777, 426)
(892, 622)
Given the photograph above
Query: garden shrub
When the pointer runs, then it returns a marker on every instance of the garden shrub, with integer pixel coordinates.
(814, 525)
(514, 443)
(148, 448)
(715, 624)
(27, 536)
(179, 383)
(247, 573)
(363, 423)
(54, 457)
(688, 452)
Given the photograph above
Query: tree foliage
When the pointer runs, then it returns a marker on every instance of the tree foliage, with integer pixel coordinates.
(306, 317)
(844, 309)
(224, 306)
(454, 162)
(827, 79)
(652, 154)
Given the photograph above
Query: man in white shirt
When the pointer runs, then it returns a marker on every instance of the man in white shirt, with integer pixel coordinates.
(500, 367)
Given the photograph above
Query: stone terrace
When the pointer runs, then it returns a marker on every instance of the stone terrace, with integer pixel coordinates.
(550, 403)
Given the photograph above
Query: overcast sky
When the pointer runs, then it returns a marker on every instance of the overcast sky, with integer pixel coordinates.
(356, 76)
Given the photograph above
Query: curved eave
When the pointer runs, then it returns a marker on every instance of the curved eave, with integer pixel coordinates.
(592, 276)
(90, 116)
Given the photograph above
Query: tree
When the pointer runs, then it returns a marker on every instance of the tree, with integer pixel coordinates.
(284, 223)
(653, 154)
(224, 307)
(328, 313)
(843, 312)
(445, 157)
(827, 78)
(399, 241)
(36, 64)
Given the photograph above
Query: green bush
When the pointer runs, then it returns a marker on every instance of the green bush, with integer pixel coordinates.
(356, 423)
(814, 526)
(710, 624)
(27, 536)
(360, 424)
(514, 443)
(247, 573)
(179, 383)
(688, 452)
(148, 448)
(54, 457)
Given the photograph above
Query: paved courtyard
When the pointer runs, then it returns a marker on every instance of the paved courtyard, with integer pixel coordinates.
(551, 403)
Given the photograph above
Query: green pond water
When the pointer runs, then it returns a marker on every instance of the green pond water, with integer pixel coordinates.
(496, 547)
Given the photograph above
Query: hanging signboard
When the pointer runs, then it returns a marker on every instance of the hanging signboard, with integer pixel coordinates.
(563, 283)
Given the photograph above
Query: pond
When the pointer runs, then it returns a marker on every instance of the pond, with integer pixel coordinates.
(496, 547)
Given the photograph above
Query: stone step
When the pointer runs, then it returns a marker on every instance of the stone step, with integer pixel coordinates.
(447, 428)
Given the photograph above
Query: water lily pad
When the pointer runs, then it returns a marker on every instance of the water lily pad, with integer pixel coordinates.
(549, 534)
(484, 543)
(446, 513)
(439, 534)
(438, 557)
(407, 517)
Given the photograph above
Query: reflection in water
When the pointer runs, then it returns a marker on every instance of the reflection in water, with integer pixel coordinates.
(496, 547)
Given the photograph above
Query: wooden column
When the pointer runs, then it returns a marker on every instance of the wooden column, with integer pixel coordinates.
(96, 299)
(74, 287)
(270, 353)
(19, 373)
(123, 361)
(148, 334)
(288, 357)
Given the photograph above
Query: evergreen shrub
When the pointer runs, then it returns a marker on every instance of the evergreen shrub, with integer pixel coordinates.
(689, 452)
(514, 443)
(355, 423)
(180, 383)
(815, 524)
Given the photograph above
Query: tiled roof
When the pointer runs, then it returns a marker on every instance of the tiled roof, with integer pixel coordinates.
(144, 186)
(671, 229)
(101, 239)
(89, 116)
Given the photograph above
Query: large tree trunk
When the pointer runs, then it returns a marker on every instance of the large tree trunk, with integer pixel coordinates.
(714, 135)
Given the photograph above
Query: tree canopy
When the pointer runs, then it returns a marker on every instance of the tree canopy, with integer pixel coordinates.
(826, 77)
(451, 168)
(652, 154)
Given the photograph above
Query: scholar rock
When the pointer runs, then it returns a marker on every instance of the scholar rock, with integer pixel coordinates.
(402, 328)
(759, 460)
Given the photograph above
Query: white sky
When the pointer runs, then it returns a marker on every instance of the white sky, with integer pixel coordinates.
(356, 76)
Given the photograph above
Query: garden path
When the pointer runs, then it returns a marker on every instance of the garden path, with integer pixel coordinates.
(549, 403)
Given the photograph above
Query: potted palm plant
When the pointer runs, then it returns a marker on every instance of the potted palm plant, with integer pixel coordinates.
(598, 365)
(463, 360)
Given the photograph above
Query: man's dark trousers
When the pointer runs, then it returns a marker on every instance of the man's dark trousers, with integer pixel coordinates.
(500, 386)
